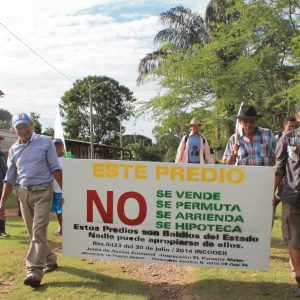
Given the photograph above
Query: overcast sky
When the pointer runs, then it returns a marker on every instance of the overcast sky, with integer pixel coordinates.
(80, 38)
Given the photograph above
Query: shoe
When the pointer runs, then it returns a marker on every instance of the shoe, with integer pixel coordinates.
(4, 234)
(297, 291)
(32, 281)
(51, 268)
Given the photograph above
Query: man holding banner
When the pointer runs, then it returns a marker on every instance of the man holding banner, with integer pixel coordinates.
(253, 145)
(288, 167)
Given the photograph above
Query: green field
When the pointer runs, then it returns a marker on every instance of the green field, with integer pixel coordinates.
(84, 279)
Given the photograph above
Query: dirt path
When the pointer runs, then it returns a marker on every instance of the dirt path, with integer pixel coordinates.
(167, 282)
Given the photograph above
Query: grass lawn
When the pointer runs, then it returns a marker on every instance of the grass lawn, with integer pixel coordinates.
(86, 279)
(276, 283)
(12, 201)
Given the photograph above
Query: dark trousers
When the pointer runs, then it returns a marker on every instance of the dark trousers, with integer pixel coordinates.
(2, 226)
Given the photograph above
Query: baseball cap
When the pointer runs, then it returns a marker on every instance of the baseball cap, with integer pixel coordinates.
(20, 118)
(57, 141)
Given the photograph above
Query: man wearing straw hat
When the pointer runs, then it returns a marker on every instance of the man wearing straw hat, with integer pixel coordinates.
(288, 167)
(194, 148)
(253, 145)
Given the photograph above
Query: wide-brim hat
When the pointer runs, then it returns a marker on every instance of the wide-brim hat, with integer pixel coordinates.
(248, 112)
(194, 121)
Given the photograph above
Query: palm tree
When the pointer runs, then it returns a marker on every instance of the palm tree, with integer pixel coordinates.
(149, 63)
(183, 29)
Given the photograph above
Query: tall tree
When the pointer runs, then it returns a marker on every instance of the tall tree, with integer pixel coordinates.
(49, 131)
(135, 139)
(248, 58)
(110, 100)
(37, 126)
(183, 28)
(145, 153)
(5, 119)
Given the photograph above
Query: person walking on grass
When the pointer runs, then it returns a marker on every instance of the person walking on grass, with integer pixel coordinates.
(289, 124)
(57, 195)
(288, 167)
(3, 168)
(32, 162)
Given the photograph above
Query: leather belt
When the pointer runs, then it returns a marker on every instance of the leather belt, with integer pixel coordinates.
(33, 188)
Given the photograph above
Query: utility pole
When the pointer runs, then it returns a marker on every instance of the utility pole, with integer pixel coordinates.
(121, 140)
(91, 123)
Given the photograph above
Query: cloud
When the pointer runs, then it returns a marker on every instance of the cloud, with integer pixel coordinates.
(80, 38)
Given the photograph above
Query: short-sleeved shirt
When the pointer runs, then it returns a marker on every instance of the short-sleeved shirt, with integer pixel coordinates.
(56, 187)
(32, 163)
(259, 152)
(194, 148)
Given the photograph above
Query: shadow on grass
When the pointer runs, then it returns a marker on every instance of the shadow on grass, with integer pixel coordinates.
(278, 243)
(98, 281)
(225, 289)
(26, 241)
(20, 239)
(280, 258)
(15, 224)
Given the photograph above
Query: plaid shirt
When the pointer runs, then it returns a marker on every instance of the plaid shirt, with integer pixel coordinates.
(260, 152)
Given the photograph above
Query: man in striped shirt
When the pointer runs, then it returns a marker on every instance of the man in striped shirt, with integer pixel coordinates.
(255, 146)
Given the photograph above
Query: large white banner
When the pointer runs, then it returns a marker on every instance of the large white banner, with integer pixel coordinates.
(201, 215)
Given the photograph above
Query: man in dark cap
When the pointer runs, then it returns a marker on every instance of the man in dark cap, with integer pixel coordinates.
(253, 145)
(3, 232)
(288, 167)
